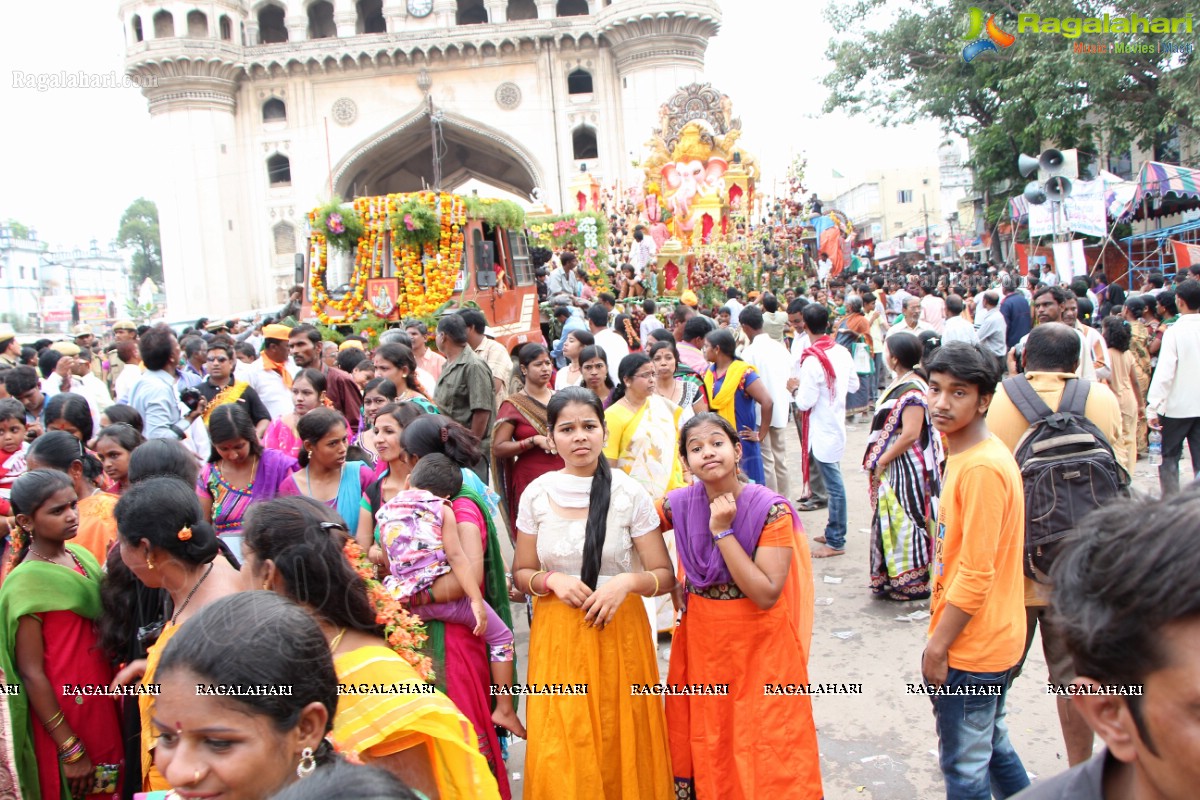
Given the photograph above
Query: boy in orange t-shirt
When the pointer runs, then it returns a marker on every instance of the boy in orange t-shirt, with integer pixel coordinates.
(977, 623)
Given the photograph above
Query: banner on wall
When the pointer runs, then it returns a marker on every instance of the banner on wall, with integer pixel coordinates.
(56, 308)
(92, 307)
(1082, 212)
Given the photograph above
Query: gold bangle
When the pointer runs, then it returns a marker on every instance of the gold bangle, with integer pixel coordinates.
(656, 584)
(533, 591)
(54, 721)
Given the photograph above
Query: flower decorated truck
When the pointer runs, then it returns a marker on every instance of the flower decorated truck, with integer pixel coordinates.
(414, 256)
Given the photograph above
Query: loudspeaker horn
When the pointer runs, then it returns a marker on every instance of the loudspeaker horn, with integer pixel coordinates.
(1053, 163)
(1027, 165)
(1058, 188)
(298, 266)
(1033, 194)
(1050, 160)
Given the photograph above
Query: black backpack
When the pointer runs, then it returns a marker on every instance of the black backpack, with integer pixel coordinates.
(1068, 468)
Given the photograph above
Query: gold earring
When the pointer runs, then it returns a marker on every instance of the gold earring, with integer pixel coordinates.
(266, 585)
(149, 563)
(196, 777)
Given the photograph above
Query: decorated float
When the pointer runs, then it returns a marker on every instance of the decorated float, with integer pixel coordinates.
(699, 186)
(417, 255)
(585, 230)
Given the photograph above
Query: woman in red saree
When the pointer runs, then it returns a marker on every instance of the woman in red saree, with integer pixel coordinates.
(521, 443)
(747, 588)
(65, 743)
(460, 658)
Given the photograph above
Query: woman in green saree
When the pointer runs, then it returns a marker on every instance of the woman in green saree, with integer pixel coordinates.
(63, 740)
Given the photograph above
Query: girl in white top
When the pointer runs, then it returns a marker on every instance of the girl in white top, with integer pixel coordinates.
(589, 548)
(572, 373)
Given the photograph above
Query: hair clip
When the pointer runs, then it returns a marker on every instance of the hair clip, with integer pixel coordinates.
(446, 433)
(184, 535)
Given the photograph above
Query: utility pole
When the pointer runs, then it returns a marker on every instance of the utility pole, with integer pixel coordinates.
(925, 211)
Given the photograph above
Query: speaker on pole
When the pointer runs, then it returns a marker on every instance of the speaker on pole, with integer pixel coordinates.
(1058, 188)
(1027, 165)
(1033, 194)
(1050, 160)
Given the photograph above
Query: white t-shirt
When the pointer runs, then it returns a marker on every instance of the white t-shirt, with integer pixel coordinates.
(615, 348)
(827, 422)
(774, 365)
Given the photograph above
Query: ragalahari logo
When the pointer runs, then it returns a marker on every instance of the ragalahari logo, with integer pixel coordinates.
(994, 36)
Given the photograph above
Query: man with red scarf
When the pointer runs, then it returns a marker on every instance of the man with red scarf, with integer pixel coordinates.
(826, 375)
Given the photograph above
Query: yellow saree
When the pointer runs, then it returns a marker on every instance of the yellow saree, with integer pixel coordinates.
(723, 402)
(374, 725)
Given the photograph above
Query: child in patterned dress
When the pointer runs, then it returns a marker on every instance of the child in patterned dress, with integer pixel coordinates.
(419, 534)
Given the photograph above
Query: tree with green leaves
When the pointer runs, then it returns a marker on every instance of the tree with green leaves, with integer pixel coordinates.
(900, 62)
(19, 229)
(139, 230)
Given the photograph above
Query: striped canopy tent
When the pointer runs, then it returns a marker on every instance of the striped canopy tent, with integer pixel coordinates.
(1161, 189)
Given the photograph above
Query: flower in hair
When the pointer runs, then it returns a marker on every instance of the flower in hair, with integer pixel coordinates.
(184, 535)
(446, 433)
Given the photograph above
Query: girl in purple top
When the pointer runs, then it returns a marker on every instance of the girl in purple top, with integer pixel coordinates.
(239, 472)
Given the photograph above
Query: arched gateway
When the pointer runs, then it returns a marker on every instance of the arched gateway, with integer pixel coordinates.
(400, 158)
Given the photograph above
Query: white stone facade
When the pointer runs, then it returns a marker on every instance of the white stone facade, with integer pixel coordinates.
(251, 131)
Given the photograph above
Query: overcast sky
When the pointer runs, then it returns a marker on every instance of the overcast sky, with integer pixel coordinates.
(77, 157)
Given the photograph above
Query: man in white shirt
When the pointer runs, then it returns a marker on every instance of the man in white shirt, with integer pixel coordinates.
(491, 351)
(824, 267)
(131, 369)
(615, 348)
(271, 374)
(912, 322)
(1048, 306)
(563, 279)
(896, 298)
(956, 327)
(991, 328)
(90, 386)
(651, 323)
(817, 496)
(826, 375)
(773, 363)
(1173, 401)
(62, 377)
(641, 251)
(734, 304)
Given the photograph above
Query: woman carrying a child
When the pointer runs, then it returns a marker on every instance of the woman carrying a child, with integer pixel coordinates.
(418, 531)
(460, 658)
(294, 547)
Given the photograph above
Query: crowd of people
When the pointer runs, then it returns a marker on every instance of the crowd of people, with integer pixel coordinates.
(244, 507)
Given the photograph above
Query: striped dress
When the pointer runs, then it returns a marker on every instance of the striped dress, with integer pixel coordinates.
(905, 499)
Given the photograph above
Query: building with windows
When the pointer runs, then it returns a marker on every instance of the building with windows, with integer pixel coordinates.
(891, 203)
(264, 109)
(20, 290)
(44, 290)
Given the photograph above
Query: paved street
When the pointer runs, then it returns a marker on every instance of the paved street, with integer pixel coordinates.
(880, 744)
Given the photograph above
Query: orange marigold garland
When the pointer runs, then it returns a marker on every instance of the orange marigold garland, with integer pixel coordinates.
(427, 275)
(404, 631)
